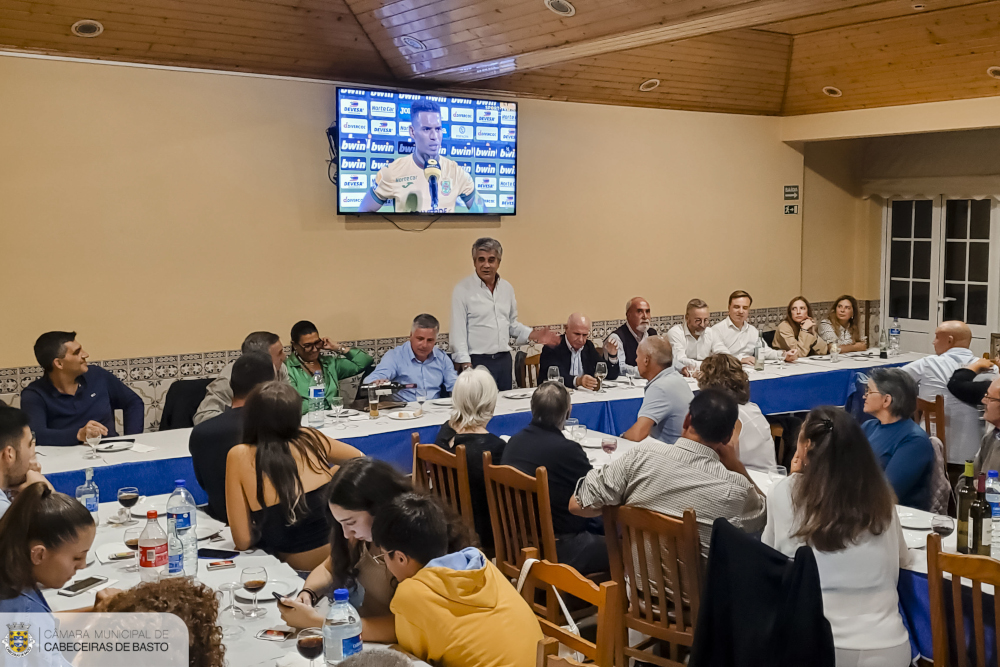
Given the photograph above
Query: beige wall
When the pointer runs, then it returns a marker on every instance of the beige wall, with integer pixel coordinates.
(158, 211)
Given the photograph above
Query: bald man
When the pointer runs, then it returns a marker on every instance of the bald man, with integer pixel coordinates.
(667, 394)
(576, 357)
(627, 337)
(951, 352)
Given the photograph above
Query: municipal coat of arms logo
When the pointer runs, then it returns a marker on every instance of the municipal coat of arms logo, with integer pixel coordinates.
(19, 641)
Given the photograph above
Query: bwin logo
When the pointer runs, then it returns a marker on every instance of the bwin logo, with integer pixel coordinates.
(383, 147)
(378, 163)
(506, 170)
(488, 169)
(508, 153)
(353, 146)
(487, 151)
(461, 151)
(353, 164)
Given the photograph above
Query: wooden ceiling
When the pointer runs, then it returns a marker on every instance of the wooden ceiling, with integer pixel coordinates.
(737, 56)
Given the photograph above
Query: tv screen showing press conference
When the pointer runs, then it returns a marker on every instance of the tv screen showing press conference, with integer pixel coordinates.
(425, 154)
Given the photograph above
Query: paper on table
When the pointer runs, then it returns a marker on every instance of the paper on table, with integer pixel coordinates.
(142, 449)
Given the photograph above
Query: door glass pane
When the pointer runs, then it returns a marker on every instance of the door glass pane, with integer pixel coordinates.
(922, 259)
(921, 307)
(977, 304)
(922, 219)
(899, 298)
(902, 217)
(979, 225)
(954, 310)
(899, 262)
(956, 218)
(954, 261)
(979, 262)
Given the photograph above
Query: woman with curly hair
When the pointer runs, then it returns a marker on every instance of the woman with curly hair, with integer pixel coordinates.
(191, 601)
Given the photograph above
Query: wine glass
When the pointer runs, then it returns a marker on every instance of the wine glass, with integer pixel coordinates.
(310, 644)
(421, 398)
(553, 374)
(601, 372)
(132, 542)
(337, 408)
(93, 439)
(776, 473)
(128, 496)
(570, 426)
(609, 444)
(254, 579)
(231, 615)
(943, 525)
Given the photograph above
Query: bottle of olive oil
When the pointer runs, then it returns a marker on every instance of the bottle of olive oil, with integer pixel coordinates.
(966, 491)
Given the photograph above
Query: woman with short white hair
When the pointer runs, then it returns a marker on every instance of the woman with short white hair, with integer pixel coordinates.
(473, 400)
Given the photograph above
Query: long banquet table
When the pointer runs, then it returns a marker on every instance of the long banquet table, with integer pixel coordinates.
(776, 389)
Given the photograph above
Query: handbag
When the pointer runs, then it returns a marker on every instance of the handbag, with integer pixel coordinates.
(570, 627)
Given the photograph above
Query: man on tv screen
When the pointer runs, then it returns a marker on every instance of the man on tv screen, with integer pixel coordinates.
(424, 181)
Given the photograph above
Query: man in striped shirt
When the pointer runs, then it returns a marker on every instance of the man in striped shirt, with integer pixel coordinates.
(701, 470)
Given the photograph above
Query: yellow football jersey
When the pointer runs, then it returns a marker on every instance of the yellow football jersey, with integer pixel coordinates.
(403, 181)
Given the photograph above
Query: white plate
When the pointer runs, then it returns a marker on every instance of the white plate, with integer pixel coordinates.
(591, 443)
(611, 383)
(914, 539)
(140, 508)
(404, 415)
(114, 446)
(442, 401)
(287, 587)
(517, 395)
(205, 532)
(914, 521)
(346, 412)
(104, 552)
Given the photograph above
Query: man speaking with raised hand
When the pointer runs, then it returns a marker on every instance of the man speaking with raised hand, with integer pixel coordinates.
(424, 181)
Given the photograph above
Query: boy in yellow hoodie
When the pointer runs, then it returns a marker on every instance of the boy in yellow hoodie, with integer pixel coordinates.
(453, 610)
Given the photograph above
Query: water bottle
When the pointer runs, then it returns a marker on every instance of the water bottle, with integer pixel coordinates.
(152, 549)
(894, 337)
(182, 538)
(341, 630)
(993, 498)
(317, 402)
(89, 495)
(758, 354)
(834, 352)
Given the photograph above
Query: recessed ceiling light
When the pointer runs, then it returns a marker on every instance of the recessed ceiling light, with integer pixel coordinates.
(832, 91)
(561, 7)
(648, 85)
(994, 72)
(87, 28)
(414, 43)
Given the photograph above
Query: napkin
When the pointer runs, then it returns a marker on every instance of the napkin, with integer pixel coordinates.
(141, 448)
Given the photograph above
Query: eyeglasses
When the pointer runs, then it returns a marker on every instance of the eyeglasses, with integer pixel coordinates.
(872, 391)
(990, 398)
(380, 559)
(318, 345)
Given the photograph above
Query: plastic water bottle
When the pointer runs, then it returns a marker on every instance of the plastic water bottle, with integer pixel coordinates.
(341, 630)
(317, 403)
(182, 537)
(152, 549)
(894, 337)
(993, 498)
(89, 495)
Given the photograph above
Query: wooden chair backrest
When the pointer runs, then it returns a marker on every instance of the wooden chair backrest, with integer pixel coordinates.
(532, 365)
(544, 576)
(981, 570)
(445, 475)
(548, 655)
(932, 413)
(663, 555)
(520, 514)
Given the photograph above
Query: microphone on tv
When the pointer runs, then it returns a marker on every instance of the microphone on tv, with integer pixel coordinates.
(433, 172)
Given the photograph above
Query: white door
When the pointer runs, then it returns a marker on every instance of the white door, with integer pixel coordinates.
(940, 263)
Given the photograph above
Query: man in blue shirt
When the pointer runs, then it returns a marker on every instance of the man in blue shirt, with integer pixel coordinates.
(667, 394)
(418, 361)
(74, 399)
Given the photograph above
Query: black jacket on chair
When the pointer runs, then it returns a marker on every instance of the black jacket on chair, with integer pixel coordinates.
(182, 401)
(560, 356)
(758, 608)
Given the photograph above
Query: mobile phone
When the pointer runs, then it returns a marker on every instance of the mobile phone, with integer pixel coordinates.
(275, 635)
(279, 597)
(221, 565)
(78, 587)
(217, 554)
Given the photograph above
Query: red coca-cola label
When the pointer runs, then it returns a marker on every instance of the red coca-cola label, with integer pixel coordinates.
(153, 556)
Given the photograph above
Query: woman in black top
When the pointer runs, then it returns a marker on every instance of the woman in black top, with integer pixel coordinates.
(473, 399)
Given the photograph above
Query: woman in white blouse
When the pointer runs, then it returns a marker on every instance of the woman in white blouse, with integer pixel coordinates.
(841, 325)
(756, 446)
(838, 502)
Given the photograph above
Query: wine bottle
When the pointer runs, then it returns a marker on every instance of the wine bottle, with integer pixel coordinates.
(966, 494)
(980, 516)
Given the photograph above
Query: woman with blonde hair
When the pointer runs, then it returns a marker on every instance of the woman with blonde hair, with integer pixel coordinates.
(797, 331)
(841, 325)
(473, 401)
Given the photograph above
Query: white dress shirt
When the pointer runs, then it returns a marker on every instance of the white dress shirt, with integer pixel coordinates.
(622, 365)
(963, 429)
(688, 350)
(727, 338)
(575, 362)
(483, 322)
(756, 443)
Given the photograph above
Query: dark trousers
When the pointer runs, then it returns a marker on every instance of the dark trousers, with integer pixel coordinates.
(500, 366)
(586, 552)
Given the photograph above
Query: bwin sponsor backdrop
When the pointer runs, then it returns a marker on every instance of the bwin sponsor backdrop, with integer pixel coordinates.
(373, 130)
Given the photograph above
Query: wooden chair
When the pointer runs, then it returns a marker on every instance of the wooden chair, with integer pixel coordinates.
(445, 475)
(543, 577)
(932, 413)
(520, 514)
(548, 655)
(532, 366)
(663, 556)
(981, 570)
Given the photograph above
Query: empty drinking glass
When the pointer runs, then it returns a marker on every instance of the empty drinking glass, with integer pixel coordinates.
(601, 372)
(776, 473)
(553, 374)
(337, 408)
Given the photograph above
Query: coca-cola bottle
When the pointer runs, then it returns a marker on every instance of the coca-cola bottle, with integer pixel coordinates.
(152, 549)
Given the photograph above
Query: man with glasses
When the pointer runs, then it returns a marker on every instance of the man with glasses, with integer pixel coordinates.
(18, 466)
(690, 340)
(307, 360)
(626, 338)
(988, 457)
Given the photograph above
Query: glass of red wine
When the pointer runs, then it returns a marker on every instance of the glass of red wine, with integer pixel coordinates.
(254, 579)
(943, 525)
(310, 644)
(127, 497)
(132, 542)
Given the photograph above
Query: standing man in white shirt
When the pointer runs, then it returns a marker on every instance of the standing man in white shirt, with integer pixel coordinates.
(951, 351)
(627, 337)
(736, 336)
(484, 317)
(690, 340)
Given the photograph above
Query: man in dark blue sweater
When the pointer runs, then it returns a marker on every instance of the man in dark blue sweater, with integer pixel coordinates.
(73, 400)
